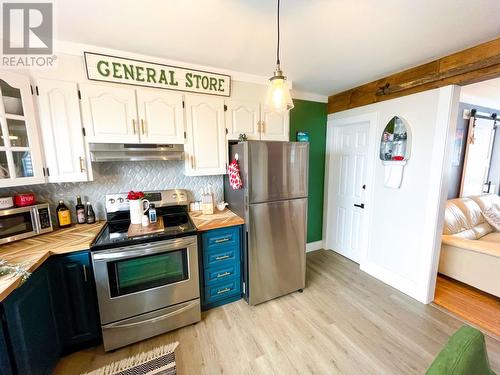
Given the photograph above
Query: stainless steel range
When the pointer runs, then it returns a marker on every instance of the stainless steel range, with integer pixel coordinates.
(146, 285)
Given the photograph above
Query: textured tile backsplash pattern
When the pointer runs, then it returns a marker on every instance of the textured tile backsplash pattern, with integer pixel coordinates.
(119, 177)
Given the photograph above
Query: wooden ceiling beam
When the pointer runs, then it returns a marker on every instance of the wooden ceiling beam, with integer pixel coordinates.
(472, 65)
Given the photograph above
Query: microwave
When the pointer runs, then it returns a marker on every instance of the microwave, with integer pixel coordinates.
(23, 222)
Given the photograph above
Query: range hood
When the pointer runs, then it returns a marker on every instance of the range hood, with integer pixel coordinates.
(100, 152)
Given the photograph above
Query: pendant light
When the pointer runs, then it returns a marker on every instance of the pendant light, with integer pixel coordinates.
(278, 98)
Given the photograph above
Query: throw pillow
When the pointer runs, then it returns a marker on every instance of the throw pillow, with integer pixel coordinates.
(492, 216)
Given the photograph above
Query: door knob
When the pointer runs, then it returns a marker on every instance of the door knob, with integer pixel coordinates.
(362, 205)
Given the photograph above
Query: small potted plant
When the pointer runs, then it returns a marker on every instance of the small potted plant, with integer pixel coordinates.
(137, 205)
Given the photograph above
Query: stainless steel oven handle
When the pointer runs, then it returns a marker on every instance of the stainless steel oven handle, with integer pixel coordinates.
(152, 320)
(145, 249)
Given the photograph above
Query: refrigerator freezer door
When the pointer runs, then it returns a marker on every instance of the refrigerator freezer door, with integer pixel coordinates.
(277, 170)
(276, 249)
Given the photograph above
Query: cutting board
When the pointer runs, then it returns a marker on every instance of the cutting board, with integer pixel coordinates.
(138, 230)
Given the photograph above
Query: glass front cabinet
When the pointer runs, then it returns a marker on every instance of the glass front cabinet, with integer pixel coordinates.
(20, 154)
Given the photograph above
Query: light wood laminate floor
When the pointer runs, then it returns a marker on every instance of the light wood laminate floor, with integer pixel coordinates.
(345, 322)
(480, 308)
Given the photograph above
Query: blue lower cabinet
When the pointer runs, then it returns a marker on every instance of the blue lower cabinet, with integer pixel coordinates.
(221, 268)
(75, 296)
(52, 313)
(31, 325)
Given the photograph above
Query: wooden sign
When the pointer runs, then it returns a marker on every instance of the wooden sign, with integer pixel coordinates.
(142, 73)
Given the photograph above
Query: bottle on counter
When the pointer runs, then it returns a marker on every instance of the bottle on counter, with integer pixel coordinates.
(80, 211)
(90, 214)
(63, 215)
(152, 213)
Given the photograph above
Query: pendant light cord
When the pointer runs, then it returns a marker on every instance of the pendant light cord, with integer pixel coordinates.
(278, 45)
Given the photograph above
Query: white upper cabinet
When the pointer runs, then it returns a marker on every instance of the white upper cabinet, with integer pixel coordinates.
(243, 117)
(275, 126)
(61, 128)
(250, 118)
(20, 153)
(206, 146)
(109, 113)
(161, 116)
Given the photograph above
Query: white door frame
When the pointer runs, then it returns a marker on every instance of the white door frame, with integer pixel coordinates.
(332, 123)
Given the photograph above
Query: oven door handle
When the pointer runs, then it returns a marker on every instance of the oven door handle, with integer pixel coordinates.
(152, 320)
(146, 249)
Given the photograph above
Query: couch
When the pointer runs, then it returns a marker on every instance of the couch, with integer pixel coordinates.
(464, 354)
(470, 247)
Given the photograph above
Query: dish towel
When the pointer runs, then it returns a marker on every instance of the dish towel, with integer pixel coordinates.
(234, 175)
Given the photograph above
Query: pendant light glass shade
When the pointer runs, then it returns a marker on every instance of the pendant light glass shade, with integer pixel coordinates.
(278, 98)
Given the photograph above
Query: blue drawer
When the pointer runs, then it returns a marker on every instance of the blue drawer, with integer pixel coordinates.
(221, 274)
(221, 237)
(222, 290)
(221, 257)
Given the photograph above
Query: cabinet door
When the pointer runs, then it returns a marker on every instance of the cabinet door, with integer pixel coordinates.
(76, 305)
(242, 117)
(61, 127)
(275, 126)
(20, 152)
(109, 114)
(31, 325)
(5, 364)
(161, 116)
(206, 148)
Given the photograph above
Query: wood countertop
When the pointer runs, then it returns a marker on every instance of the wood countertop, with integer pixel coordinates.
(219, 219)
(32, 252)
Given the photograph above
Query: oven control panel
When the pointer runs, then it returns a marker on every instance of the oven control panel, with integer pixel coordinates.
(119, 202)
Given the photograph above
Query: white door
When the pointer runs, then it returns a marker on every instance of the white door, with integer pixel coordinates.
(206, 146)
(109, 113)
(275, 126)
(477, 157)
(161, 116)
(242, 117)
(348, 176)
(20, 152)
(61, 127)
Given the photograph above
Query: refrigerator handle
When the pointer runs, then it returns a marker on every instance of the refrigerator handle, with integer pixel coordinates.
(246, 202)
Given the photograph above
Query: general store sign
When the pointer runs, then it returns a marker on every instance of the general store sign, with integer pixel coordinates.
(142, 73)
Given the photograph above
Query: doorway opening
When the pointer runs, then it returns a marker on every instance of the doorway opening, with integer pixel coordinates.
(468, 280)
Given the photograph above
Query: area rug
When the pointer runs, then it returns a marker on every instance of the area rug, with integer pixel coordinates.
(158, 361)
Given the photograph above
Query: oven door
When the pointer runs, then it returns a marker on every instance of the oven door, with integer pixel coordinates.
(138, 279)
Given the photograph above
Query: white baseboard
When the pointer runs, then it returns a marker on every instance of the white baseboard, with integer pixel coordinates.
(313, 246)
(404, 285)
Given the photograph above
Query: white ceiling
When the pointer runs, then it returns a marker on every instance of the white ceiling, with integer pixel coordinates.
(327, 45)
(486, 94)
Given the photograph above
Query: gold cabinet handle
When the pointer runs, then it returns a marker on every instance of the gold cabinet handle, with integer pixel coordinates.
(82, 164)
(193, 165)
(133, 126)
(222, 240)
(222, 257)
(263, 127)
(142, 127)
(219, 275)
(225, 290)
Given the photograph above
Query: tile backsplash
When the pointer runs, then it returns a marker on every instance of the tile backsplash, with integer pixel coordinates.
(118, 177)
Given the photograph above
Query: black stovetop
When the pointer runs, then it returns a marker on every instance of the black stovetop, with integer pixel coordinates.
(114, 233)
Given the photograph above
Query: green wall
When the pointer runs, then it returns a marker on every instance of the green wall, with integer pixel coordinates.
(311, 117)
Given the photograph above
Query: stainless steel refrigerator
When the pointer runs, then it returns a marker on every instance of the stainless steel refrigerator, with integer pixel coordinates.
(273, 202)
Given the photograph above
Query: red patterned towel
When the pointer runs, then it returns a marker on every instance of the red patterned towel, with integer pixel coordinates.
(234, 175)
